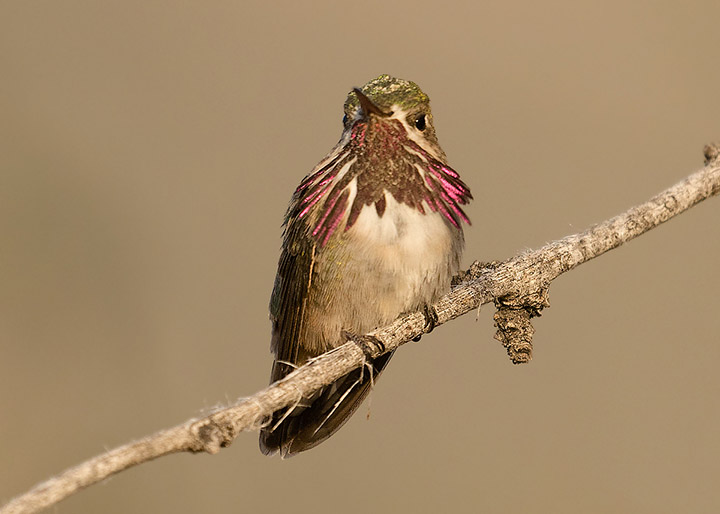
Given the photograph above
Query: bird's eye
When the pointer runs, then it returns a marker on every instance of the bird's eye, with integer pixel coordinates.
(420, 122)
(344, 119)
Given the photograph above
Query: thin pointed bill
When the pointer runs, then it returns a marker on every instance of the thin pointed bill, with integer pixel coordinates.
(368, 107)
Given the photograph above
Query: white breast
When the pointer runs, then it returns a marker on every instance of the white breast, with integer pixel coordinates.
(412, 255)
(405, 237)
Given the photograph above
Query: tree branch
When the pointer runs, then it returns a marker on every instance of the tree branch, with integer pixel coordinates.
(518, 287)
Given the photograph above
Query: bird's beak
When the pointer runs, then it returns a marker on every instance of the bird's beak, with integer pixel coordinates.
(368, 107)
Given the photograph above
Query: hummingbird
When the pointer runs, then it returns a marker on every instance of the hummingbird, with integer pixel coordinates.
(373, 232)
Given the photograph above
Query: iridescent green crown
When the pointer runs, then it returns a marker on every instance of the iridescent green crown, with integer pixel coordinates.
(386, 91)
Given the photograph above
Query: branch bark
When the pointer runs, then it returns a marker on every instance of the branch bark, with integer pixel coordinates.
(519, 285)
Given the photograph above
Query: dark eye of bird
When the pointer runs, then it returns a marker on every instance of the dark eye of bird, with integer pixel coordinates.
(420, 122)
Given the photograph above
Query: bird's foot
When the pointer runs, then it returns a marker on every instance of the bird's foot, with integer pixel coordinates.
(431, 319)
(370, 345)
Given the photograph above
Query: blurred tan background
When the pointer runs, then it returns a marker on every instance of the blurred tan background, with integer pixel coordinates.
(148, 150)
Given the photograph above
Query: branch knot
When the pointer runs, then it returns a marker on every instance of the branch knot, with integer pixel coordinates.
(210, 436)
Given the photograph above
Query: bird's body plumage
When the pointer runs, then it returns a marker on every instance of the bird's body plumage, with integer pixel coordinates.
(371, 233)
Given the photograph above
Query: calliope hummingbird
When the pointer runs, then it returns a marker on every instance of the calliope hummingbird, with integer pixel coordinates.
(374, 231)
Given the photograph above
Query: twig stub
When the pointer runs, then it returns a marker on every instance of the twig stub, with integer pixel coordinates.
(711, 152)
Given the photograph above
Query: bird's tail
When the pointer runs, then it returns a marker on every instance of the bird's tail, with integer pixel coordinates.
(308, 424)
